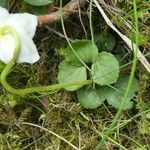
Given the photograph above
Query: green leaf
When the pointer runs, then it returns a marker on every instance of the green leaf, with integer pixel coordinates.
(40, 10)
(5, 3)
(106, 69)
(115, 96)
(71, 73)
(105, 41)
(90, 98)
(85, 49)
(38, 2)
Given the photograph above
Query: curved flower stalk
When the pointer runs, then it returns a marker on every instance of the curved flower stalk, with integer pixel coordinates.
(15, 52)
(25, 25)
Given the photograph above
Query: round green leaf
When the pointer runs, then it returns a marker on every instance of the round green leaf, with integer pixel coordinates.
(38, 2)
(90, 98)
(115, 96)
(5, 3)
(85, 50)
(71, 73)
(106, 69)
(41, 10)
(105, 41)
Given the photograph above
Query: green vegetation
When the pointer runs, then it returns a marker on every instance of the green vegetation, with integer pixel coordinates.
(88, 90)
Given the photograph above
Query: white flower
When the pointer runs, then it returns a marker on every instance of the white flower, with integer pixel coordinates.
(25, 24)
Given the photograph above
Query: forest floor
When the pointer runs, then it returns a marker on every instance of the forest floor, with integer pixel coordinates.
(56, 121)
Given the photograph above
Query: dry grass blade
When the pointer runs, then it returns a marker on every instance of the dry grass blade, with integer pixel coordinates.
(51, 132)
(131, 45)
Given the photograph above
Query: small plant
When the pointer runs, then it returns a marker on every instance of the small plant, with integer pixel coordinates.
(84, 65)
(100, 67)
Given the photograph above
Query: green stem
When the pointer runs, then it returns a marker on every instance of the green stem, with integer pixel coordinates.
(65, 34)
(91, 23)
(8, 68)
(3, 31)
(25, 91)
(119, 112)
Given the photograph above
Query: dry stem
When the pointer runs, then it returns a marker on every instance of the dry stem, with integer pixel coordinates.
(67, 10)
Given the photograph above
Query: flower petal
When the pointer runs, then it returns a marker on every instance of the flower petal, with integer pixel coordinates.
(28, 50)
(3, 15)
(23, 23)
(7, 46)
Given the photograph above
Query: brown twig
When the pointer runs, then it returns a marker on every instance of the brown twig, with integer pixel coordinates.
(67, 10)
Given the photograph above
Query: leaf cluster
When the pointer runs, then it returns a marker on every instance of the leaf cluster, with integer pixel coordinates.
(99, 66)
